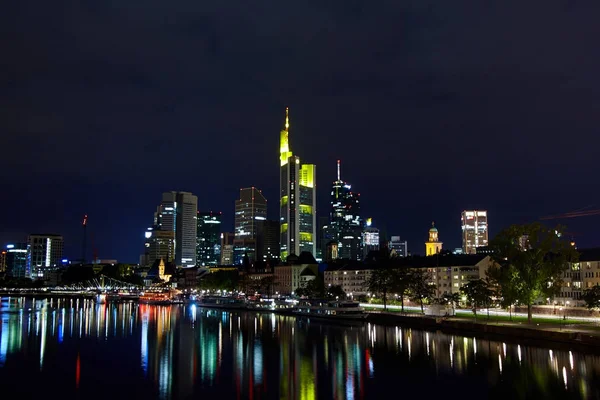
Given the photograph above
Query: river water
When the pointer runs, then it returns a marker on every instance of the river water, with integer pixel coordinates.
(79, 349)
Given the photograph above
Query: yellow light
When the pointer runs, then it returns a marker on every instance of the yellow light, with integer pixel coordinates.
(284, 228)
(307, 175)
(306, 236)
(306, 209)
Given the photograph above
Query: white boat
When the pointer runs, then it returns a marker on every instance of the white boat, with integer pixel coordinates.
(338, 309)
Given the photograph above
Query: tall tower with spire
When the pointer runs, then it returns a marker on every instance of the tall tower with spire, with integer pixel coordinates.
(345, 225)
(297, 199)
(433, 246)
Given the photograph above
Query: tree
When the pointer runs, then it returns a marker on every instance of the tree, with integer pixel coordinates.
(539, 257)
(400, 283)
(334, 292)
(451, 299)
(380, 282)
(478, 294)
(504, 282)
(420, 290)
(591, 297)
(314, 289)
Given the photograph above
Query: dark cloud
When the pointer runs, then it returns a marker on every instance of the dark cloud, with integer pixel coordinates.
(432, 106)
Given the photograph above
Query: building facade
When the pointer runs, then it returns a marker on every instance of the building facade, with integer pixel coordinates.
(298, 206)
(250, 209)
(353, 278)
(178, 213)
(267, 240)
(227, 248)
(44, 252)
(397, 247)
(16, 261)
(433, 246)
(474, 230)
(158, 245)
(370, 238)
(345, 224)
(208, 242)
(292, 275)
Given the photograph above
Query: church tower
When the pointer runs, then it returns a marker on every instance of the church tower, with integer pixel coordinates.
(433, 246)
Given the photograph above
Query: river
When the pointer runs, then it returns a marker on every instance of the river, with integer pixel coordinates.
(72, 348)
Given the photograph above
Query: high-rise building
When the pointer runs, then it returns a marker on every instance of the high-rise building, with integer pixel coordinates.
(298, 204)
(16, 261)
(227, 248)
(178, 213)
(3, 261)
(474, 230)
(345, 224)
(433, 246)
(159, 245)
(44, 252)
(250, 209)
(208, 245)
(397, 247)
(267, 240)
(370, 238)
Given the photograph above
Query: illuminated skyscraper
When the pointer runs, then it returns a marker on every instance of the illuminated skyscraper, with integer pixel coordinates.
(344, 219)
(250, 209)
(16, 261)
(474, 230)
(208, 245)
(370, 238)
(43, 253)
(158, 245)
(178, 213)
(433, 246)
(298, 200)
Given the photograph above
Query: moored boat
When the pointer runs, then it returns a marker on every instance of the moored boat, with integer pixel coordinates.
(157, 298)
(338, 309)
(223, 302)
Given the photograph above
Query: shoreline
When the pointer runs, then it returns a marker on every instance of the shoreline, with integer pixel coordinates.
(530, 335)
(570, 339)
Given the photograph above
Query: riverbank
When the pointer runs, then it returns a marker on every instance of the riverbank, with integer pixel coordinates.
(573, 337)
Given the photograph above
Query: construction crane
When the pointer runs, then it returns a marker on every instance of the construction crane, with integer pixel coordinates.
(584, 212)
(83, 243)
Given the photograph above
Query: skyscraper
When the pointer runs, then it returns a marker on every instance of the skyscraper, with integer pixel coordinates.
(178, 213)
(267, 240)
(297, 200)
(370, 238)
(398, 248)
(16, 261)
(474, 230)
(44, 251)
(250, 208)
(159, 245)
(208, 250)
(345, 225)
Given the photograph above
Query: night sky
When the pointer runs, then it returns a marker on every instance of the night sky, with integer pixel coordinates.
(432, 106)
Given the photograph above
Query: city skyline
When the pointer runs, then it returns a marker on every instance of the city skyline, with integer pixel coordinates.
(401, 110)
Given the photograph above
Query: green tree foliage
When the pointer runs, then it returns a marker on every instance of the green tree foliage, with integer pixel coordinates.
(314, 289)
(380, 282)
(478, 294)
(591, 297)
(504, 282)
(335, 292)
(419, 289)
(400, 283)
(451, 299)
(539, 257)
(220, 280)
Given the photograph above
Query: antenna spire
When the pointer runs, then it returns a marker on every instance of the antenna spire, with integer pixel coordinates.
(287, 118)
(338, 170)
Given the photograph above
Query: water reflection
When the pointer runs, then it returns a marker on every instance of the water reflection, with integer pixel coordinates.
(177, 351)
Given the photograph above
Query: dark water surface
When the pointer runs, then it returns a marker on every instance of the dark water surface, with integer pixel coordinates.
(78, 349)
